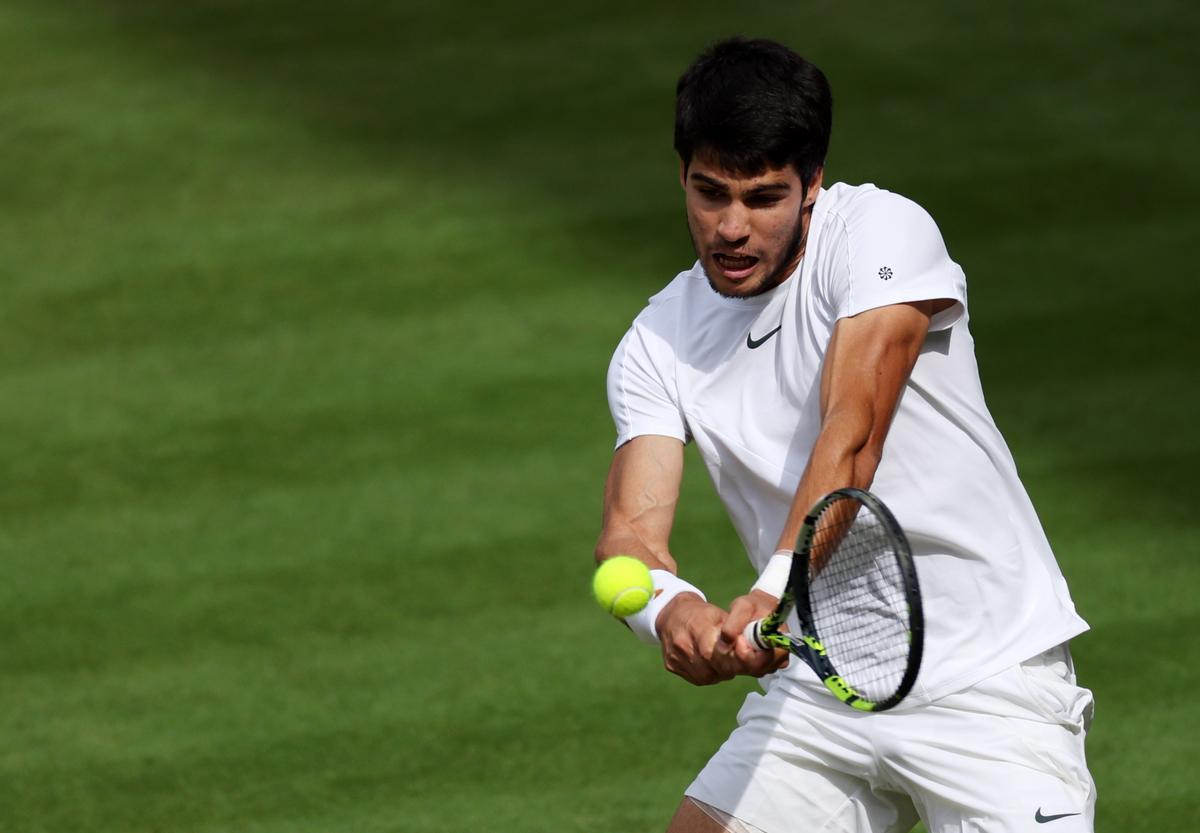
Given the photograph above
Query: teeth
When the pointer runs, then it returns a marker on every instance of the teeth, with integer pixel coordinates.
(737, 262)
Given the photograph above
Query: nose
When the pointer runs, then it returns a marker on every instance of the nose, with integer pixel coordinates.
(734, 223)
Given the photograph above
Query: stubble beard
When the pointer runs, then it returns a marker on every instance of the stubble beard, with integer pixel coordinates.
(787, 263)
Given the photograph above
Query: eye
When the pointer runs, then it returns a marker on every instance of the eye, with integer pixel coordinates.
(764, 200)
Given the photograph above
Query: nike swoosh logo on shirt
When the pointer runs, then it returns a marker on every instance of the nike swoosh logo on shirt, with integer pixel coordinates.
(1040, 819)
(753, 343)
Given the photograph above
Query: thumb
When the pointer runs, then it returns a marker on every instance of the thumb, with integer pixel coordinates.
(741, 613)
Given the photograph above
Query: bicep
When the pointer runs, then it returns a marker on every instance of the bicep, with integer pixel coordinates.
(640, 496)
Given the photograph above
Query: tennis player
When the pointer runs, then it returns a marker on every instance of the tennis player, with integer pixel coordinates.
(821, 341)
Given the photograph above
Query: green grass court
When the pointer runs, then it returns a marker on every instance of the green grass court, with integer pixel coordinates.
(306, 310)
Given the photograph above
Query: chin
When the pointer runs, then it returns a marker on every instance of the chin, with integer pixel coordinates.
(748, 287)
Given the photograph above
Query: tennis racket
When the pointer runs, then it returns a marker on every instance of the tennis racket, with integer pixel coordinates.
(854, 589)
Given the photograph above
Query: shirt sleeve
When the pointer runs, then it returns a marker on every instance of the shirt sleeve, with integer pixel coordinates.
(639, 394)
(890, 251)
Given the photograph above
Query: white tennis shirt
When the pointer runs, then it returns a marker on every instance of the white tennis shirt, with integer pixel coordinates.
(741, 379)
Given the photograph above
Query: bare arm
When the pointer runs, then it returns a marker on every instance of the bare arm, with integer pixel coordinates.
(640, 497)
(869, 360)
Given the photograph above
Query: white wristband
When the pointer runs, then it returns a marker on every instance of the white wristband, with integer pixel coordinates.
(773, 579)
(666, 587)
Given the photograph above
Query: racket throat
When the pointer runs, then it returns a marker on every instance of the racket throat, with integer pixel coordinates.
(814, 653)
(842, 691)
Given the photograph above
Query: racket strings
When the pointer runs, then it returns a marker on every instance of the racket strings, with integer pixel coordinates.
(858, 599)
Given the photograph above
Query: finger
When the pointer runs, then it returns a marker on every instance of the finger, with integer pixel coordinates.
(760, 663)
(748, 659)
(754, 606)
(741, 612)
(747, 652)
(691, 668)
(779, 658)
(701, 670)
(696, 653)
(711, 640)
(751, 634)
(727, 666)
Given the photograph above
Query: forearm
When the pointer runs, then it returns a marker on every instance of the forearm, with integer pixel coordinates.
(846, 453)
(625, 539)
(869, 360)
(640, 497)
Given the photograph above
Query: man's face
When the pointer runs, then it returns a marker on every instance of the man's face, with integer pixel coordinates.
(749, 232)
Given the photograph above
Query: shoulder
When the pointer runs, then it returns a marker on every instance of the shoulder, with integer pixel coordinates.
(641, 373)
(863, 225)
(852, 210)
(879, 248)
(659, 319)
(667, 300)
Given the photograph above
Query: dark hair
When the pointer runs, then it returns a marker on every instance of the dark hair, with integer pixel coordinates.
(754, 104)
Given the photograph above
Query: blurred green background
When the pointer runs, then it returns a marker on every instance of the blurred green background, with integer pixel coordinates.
(306, 310)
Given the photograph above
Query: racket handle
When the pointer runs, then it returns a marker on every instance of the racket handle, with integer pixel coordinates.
(753, 634)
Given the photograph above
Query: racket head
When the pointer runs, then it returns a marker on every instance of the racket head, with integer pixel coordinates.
(855, 590)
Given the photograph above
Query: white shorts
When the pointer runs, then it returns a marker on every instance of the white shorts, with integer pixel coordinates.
(1005, 755)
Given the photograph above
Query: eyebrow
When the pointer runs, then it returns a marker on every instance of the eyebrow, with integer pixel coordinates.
(758, 189)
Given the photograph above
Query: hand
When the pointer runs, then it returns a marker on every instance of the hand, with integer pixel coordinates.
(755, 605)
(690, 629)
(694, 648)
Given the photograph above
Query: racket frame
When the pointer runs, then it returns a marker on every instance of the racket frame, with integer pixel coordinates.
(807, 645)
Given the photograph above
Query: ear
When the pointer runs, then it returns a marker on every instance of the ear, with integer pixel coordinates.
(682, 174)
(814, 187)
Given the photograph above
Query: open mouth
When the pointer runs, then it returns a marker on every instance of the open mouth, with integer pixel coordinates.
(735, 267)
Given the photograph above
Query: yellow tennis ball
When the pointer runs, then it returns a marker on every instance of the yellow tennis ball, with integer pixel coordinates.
(622, 585)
